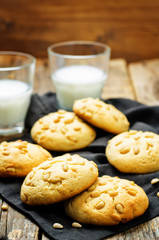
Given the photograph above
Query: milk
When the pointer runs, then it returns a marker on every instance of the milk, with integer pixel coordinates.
(77, 81)
(14, 102)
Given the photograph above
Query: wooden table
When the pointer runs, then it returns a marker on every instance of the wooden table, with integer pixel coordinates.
(139, 81)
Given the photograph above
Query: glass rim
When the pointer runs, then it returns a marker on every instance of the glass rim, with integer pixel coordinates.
(21, 54)
(106, 48)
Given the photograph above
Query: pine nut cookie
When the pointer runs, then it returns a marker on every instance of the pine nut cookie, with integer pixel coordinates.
(134, 152)
(101, 115)
(58, 179)
(62, 131)
(109, 201)
(17, 158)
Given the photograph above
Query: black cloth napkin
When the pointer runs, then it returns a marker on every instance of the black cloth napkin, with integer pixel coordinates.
(141, 117)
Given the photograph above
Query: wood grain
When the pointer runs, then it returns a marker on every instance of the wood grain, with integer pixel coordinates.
(129, 27)
(118, 83)
(145, 231)
(3, 221)
(145, 78)
(14, 225)
(44, 237)
(43, 81)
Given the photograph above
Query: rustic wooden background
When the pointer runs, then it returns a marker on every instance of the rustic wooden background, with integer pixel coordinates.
(130, 27)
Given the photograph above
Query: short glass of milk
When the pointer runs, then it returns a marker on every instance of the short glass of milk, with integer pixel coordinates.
(16, 84)
(79, 69)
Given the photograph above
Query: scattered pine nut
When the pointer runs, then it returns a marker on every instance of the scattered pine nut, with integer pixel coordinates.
(4, 207)
(76, 225)
(57, 225)
(154, 180)
(158, 194)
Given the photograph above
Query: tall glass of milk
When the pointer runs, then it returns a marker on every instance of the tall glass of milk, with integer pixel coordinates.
(16, 84)
(79, 69)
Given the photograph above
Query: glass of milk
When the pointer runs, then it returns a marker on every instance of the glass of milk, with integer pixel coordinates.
(16, 84)
(79, 69)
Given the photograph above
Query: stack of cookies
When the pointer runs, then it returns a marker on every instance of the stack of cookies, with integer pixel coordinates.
(88, 198)
(58, 179)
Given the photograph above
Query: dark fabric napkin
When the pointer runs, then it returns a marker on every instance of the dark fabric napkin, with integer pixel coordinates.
(141, 117)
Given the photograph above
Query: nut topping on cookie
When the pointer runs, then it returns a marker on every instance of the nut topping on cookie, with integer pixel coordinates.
(19, 157)
(134, 152)
(62, 131)
(108, 204)
(101, 115)
(119, 207)
(64, 177)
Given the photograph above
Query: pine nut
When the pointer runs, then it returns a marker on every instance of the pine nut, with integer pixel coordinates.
(154, 180)
(57, 225)
(76, 225)
(4, 207)
(100, 205)
(65, 167)
(95, 194)
(119, 208)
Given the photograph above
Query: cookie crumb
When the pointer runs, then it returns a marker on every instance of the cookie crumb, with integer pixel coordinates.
(57, 225)
(154, 180)
(76, 225)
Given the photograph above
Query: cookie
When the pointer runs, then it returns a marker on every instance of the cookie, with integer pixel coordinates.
(17, 158)
(62, 131)
(101, 115)
(134, 152)
(58, 179)
(109, 201)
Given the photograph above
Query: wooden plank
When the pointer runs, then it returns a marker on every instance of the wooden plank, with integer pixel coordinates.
(19, 227)
(3, 221)
(42, 83)
(118, 82)
(130, 28)
(148, 230)
(44, 237)
(14, 225)
(145, 79)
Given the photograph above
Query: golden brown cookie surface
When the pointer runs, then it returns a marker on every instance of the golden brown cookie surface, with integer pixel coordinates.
(109, 201)
(62, 131)
(101, 115)
(58, 179)
(19, 157)
(134, 152)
